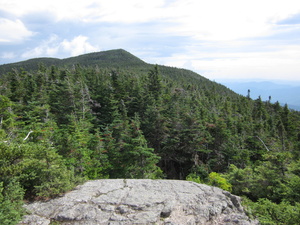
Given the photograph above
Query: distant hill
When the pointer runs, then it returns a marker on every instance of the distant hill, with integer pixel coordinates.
(111, 58)
(283, 93)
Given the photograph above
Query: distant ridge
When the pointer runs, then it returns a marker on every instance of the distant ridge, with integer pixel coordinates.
(111, 58)
(30, 64)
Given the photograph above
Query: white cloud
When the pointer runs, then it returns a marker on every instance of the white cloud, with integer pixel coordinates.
(8, 55)
(201, 19)
(89, 10)
(78, 45)
(54, 47)
(48, 47)
(231, 19)
(13, 30)
(130, 11)
(280, 63)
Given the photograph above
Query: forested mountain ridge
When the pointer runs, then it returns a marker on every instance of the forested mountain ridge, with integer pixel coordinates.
(111, 115)
(116, 58)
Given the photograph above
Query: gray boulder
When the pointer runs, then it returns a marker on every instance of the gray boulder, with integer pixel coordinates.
(130, 201)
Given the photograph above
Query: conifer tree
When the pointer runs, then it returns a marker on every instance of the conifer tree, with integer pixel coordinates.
(154, 82)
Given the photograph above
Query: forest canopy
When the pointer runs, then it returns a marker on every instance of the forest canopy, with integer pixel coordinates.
(111, 115)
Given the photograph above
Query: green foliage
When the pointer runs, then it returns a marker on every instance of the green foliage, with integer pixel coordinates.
(11, 161)
(213, 179)
(45, 174)
(270, 213)
(128, 151)
(7, 117)
(11, 196)
(154, 82)
(193, 177)
(241, 180)
(218, 180)
(39, 169)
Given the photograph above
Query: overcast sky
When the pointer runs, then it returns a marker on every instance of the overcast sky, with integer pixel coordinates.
(219, 39)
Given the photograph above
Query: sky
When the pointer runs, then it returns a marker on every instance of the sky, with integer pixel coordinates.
(221, 40)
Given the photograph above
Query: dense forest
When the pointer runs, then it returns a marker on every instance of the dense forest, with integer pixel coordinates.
(111, 115)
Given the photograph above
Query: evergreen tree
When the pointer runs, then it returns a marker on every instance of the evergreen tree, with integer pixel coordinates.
(154, 82)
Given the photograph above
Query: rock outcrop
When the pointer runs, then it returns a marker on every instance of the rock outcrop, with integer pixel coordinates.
(129, 201)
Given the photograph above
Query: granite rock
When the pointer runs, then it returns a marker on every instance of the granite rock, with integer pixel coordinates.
(133, 201)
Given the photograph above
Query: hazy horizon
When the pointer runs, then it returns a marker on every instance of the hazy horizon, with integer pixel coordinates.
(294, 83)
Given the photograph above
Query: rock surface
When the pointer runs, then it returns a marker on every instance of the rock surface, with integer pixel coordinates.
(129, 201)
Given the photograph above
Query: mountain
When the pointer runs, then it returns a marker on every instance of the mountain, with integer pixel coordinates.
(283, 93)
(111, 58)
